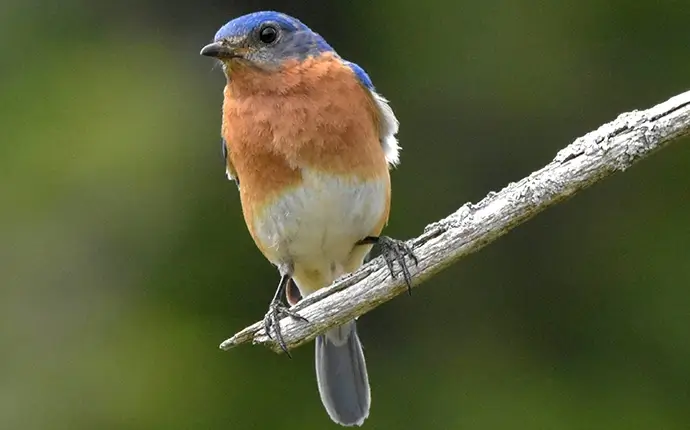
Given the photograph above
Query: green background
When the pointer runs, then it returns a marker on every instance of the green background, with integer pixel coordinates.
(124, 259)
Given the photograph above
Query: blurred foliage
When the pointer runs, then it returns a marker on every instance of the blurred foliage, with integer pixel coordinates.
(125, 260)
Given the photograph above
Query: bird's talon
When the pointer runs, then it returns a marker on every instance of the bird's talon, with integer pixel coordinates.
(276, 312)
(394, 250)
(267, 326)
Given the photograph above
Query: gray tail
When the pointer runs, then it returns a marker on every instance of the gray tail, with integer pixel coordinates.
(342, 375)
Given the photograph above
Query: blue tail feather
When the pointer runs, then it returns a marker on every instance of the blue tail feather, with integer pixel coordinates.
(341, 374)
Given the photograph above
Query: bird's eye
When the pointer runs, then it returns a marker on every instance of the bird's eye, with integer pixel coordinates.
(268, 34)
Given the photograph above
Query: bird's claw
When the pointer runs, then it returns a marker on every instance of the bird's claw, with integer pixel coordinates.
(394, 250)
(276, 312)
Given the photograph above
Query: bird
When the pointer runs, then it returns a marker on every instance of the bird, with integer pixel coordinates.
(310, 144)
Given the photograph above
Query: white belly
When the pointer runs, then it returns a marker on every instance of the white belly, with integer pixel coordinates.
(315, 226)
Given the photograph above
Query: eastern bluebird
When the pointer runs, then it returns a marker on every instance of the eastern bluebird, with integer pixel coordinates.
(309, 142)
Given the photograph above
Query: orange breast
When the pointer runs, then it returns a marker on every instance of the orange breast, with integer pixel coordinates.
(313, 114)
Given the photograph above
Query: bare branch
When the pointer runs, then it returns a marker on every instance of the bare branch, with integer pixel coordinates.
(612, 147)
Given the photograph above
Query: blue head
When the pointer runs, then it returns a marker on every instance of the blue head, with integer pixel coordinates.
(265, 40)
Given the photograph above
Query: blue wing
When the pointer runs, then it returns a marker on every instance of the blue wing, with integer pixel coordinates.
(224, 151)
(361, 75)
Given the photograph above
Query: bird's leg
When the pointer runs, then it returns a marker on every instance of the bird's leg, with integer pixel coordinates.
(276, 311)
(394, 250)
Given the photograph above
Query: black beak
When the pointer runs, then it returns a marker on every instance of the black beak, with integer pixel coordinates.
(217, 50)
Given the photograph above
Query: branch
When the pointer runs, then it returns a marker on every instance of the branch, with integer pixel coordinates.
(612, 147)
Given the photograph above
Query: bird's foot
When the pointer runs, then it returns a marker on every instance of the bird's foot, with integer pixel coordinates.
(276, 312)
(394, 250)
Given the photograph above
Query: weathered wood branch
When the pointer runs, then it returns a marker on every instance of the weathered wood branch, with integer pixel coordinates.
(611, 148)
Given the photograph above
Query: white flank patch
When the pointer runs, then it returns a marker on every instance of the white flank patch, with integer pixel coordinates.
(388, 129)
